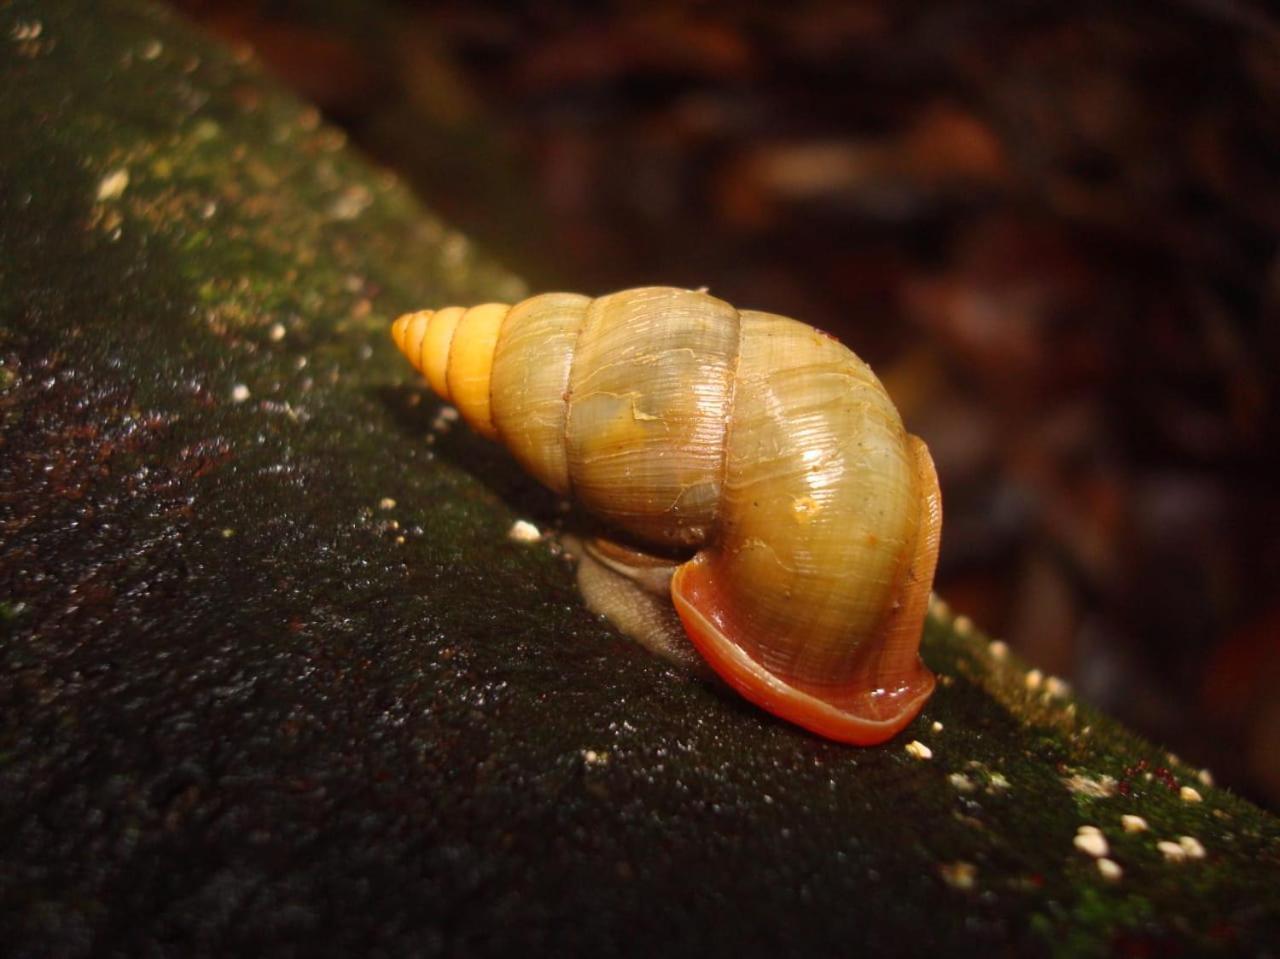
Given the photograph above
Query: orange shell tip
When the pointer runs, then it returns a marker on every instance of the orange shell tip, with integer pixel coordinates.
(397, 329)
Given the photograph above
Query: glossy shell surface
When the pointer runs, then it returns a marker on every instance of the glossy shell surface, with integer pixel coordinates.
(764, 447)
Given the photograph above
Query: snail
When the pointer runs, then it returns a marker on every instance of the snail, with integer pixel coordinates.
(752, 471)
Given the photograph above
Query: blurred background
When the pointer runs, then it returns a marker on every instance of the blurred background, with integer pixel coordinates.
(1053, 229)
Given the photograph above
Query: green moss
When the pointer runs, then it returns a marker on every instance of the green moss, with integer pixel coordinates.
(269, 708)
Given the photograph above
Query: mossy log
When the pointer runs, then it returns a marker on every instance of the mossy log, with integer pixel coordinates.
(274, 678)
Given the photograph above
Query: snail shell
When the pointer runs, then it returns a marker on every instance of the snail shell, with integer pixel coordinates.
(762, 446)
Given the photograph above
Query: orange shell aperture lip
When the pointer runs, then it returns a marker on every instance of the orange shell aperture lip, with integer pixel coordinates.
(872, 717)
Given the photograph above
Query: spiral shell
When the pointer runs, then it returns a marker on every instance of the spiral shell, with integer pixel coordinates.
(761, 445)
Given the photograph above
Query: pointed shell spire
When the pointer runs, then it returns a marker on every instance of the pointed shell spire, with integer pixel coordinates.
(454, 349)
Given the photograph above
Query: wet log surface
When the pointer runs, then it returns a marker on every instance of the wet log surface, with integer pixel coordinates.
(273, 678)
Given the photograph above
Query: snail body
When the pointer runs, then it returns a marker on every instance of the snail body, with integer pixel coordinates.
(758, 444)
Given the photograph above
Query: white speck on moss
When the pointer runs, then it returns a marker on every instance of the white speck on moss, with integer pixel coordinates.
(351, 202)
(592, 758)
(1109, 869)
(113, 185)
(938, 606)
(151, 50)
(1082, 785)
(386, 503)
(1191, 846)
(936, 727)
(1090, 841)
(1189, 794)
(918, 750)
(1057, 688)
(454, 250)
(522, 531)
(959, 875)
(276, 332)
(25, 30)
(1205, 777)
(998, 782)
(998, 649)
(445, 419)
(961, 783)
(1034, 679)
(239, 393)
(1172, 851)
(963, 625)
(1133, 823)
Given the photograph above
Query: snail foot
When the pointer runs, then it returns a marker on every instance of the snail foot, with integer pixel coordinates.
(632, 591)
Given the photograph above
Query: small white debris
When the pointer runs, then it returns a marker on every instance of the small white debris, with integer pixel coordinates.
(351, 202)
(151, 49)
(962, 624)
(592, 758)
(1109, 869)
(276, 332)
(239, 393)
(1189, 794)
(918, 750)
(959, 875)
(386, 503)
(1034, 679)
(1057, 688)
(1205, 777)
(1089, 840)
(113, 185)
(27, 30)
(1191, 846)
(445, 419)
(936, 727)
(1083, 785)
(998, 649)
(522, 531)
(938, 606)
(1133, 823)
(1172, 851)
(998, 782)
(961, 783)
